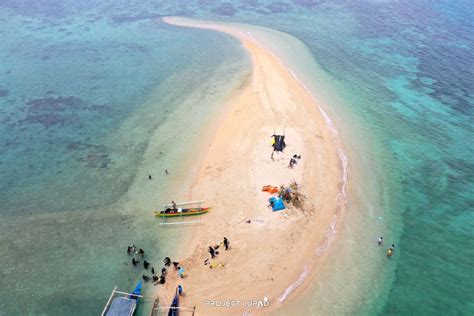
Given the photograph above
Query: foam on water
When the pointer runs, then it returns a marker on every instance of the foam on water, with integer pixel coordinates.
(296, 284)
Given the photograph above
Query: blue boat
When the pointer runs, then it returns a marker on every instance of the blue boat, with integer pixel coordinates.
(121, 303)
(174, 308)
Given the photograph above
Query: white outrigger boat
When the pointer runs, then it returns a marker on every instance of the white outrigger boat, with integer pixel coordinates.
(122, 303)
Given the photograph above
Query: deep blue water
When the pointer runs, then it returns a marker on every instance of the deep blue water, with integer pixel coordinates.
(404, 68)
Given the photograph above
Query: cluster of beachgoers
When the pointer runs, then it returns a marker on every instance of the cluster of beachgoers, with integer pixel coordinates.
(138, 259)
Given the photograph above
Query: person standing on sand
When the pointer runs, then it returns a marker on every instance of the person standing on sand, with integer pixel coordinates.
(212, 252)
(226, 243)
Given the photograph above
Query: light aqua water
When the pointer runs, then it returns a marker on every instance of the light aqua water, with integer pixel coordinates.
(395, 77)
(90, 106)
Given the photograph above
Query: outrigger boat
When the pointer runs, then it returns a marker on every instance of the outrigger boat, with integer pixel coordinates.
(170, 212)
(123, 305)
(174, 308)
(175, 211)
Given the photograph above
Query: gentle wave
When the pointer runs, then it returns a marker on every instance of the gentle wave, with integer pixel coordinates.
(341, 196)
(295, 285)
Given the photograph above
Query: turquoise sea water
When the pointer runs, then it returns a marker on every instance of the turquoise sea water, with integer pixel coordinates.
(76, 80)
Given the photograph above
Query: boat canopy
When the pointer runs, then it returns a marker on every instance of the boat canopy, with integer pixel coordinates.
(122, 306)
(279, 142)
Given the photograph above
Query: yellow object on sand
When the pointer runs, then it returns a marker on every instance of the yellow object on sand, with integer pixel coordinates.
(214, 265)
(273, 140)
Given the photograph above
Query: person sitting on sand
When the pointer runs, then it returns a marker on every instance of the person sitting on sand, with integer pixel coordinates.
(164, 271)
(175, 265)
(167, 261)
(155, 278)
(212, 252)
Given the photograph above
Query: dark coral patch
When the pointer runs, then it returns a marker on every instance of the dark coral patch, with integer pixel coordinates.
(226, 9)
(92, 155)
(52, 104)
(278, 7)
(56, 111)
(125, 18)
(47, 120)
(3, 92)
(96, 160)
(306, 3)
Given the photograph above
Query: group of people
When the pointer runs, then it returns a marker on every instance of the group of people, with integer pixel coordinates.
(213, 250)
(294, 160)
(136, 260)
(390, 250)
(132, 250)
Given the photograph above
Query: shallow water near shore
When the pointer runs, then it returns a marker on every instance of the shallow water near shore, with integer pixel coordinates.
(396, 80)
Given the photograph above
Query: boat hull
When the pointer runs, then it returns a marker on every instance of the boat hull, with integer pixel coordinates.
(182, 212)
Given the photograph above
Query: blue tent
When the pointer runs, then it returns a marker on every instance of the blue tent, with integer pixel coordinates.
(277, 204)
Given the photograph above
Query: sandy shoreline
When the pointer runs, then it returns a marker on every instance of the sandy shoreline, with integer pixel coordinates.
(274, 254)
